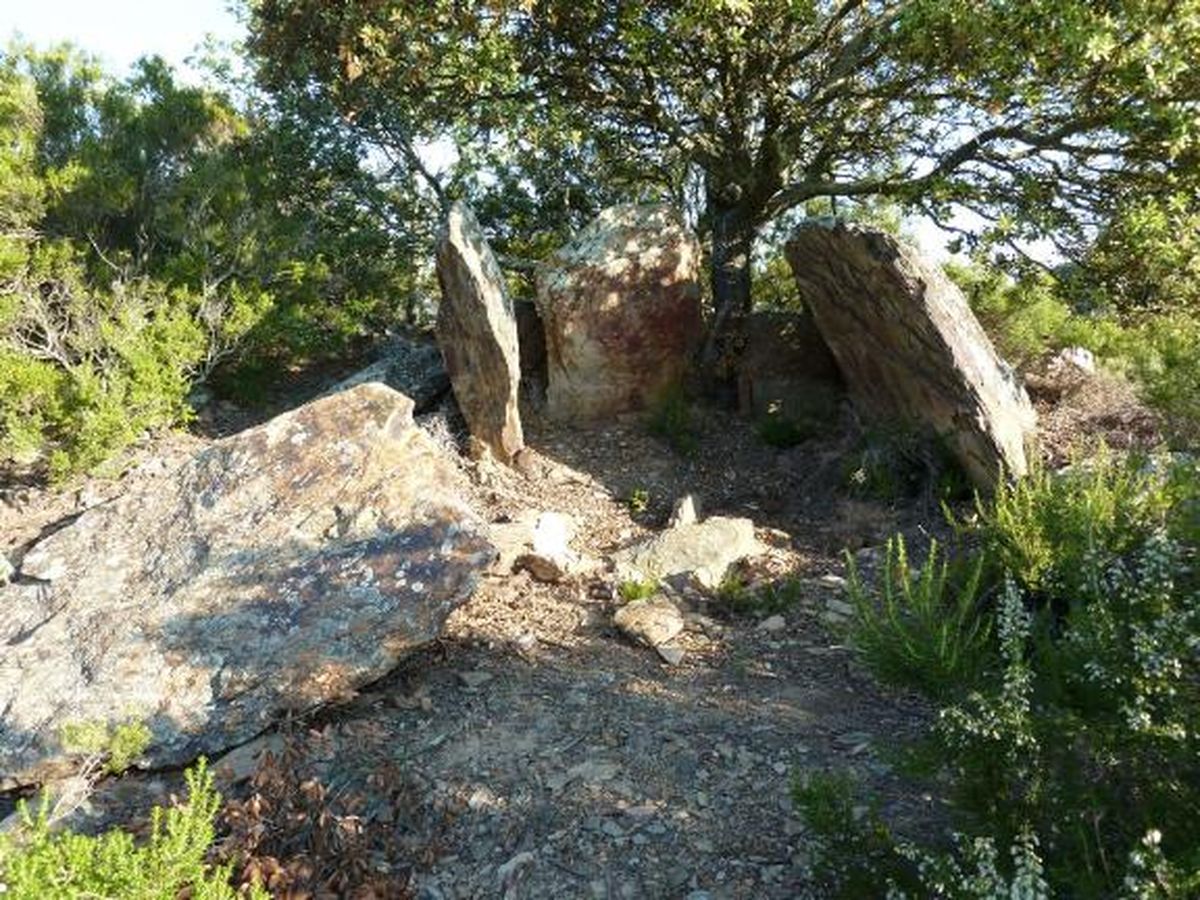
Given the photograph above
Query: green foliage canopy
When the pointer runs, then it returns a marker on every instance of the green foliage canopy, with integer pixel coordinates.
(1034, 114)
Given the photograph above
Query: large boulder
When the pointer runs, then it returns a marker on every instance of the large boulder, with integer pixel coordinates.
(279, 569)
(408, 365)
(621, 307)
(909, 346)
(477, 332)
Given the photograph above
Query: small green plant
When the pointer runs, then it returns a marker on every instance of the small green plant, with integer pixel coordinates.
(854, 853)
(670, 418)
(639, 500)
(924, 629)
(36, 862)
(637, 589)
(901, 461)
(761, 600)
(114, 749)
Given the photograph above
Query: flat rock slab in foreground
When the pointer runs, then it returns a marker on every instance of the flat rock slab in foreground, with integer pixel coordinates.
(909, 346)
(279, 569)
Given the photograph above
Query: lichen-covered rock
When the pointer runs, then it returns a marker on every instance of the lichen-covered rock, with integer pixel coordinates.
(698, 551)
(280, 568)
(909, 346)
(412, 367)
(621, 309)
(477, 332)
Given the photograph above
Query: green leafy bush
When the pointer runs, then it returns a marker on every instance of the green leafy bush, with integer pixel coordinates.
(637, 589)
(1055, 531)
(778, 430)
(925, 628)
(759, 600)
(1078, 747)
(36, 862)
(899, 461)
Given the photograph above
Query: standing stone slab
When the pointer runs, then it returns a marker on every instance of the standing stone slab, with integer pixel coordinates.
(909, 345)
(786, 368)
(621, 307)
(281, 568)
(477, 332)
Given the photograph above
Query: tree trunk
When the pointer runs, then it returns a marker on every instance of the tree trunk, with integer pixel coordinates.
(732, 240)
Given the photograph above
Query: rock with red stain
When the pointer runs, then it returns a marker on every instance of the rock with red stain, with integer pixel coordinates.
(279, 569)
(477, 332)
(621, 308)
(909, 346)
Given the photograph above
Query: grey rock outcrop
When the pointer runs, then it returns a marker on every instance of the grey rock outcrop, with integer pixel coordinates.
(280, 568)
(621, 308)
(909, 346)
(477, 332)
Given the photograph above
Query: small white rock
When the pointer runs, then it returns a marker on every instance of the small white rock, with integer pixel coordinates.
(772, 624)
(670, 655)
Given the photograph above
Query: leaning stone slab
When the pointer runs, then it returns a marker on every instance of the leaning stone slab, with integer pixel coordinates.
(279, 569)
(477, 331)
(909, 346)
(621, 310)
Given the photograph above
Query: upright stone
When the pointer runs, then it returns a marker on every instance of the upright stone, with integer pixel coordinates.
(621, 308)
(786, 368)
(909, 346)
(477, 332)
(279, 569)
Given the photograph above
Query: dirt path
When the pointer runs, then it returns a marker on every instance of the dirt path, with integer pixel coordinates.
(534, 752)
(553, 758)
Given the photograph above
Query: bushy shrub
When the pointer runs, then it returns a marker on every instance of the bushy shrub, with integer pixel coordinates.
(36, 862)
(1053, 531)
(1079, 747)
(763, 599)
(86, 372)
(925, 628)
(1165, 360)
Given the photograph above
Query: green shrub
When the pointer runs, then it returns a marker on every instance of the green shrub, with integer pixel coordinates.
(1078, 749)
(637, 589)
(117, 748)
(854, 854)
(36, 862)
(761, 600)
(925, 628)
(1053, 531)
(1165, 354)
(778, 430)
(900, 461)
